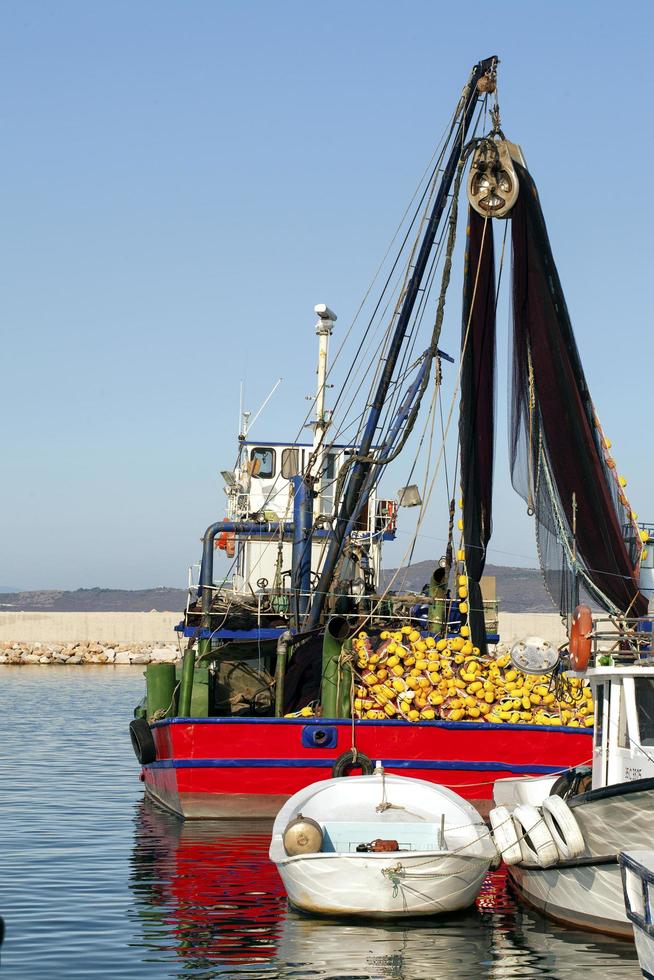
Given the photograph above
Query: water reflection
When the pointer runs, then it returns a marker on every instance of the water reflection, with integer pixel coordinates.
(208, 889)
(206, 895)
(203, 900)
(468, 946)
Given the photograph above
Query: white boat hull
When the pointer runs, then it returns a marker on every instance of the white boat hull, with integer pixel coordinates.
(442, 849)
(638, 884)
(588, 893)
(645, 950)
(586, 896)
(396, 885)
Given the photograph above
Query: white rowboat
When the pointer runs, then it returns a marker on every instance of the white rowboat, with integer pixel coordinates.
(443, 848)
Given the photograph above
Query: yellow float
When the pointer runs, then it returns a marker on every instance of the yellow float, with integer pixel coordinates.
(403, 675)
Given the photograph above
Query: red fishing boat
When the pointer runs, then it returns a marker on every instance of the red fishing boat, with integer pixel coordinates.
(241, 767)
(303, 661)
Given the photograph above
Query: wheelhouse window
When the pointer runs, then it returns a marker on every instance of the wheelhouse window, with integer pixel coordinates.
(327, 479)
(645, 709)
(290, 463)
(263, 463)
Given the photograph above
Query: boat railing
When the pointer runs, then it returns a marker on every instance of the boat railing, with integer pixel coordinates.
(380, 609)
(625, 639)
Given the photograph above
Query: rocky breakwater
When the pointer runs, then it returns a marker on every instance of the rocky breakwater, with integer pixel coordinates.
(77, 654)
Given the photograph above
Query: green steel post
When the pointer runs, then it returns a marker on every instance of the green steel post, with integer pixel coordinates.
(335, 633)
(345, 685)
(280, 672)
(160, 690)
(186, 683)
(204, 649)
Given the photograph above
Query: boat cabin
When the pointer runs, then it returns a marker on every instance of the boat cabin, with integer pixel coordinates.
(623, 742)
(261, 490)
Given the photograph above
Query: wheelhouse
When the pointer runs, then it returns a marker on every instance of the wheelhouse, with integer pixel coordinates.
(623, 744)
(261, 490)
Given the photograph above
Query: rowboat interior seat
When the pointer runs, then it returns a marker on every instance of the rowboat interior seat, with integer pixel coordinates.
(343, 836)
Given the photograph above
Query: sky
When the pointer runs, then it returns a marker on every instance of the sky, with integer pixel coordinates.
(182, 182)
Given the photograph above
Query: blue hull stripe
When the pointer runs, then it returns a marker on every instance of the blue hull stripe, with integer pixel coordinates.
(468, 726)
(328, 764)
(247, 636)
(257, 635)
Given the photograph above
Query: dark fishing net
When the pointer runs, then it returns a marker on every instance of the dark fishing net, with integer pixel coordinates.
(476, 419)
(560, 463)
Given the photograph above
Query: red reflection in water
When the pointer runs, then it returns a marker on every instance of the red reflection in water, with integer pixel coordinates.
(495, 895)
(207, 886)
(209, 889)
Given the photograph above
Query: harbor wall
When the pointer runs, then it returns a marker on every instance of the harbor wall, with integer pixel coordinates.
(517, 626)
(85, 627)
(158, 627)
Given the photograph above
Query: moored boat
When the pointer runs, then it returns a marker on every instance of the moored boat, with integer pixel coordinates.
(611, 805)
(243, 767)
(304, 529)
(380, 846)
(637, 881)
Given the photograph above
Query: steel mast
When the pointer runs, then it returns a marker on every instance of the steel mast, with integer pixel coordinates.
(362, 467)
(324, 327)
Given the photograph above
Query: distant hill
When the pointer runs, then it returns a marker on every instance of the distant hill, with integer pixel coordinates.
(518, 590)
(95, 600)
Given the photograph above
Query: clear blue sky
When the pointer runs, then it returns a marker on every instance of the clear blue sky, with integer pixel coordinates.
(182, 182)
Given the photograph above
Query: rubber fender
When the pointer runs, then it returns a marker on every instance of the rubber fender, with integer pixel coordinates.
(572, 782)
(505, 835)
(347, 761)
(562, 785)
(536, 842)
(142, 741)
(563, 827)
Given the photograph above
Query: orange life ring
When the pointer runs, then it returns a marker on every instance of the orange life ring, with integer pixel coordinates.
(226, 541)
(580, 638)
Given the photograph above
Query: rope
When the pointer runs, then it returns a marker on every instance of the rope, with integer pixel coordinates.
(384, 805)
(399, 871)
(491, 782)
(438, 323)
(425, 501)
(429, 190)
(353, 726)
(163, 712)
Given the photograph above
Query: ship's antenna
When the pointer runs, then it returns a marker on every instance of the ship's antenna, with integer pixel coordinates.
(265, 402)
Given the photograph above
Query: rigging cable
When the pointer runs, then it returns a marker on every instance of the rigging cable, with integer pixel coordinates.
(423, 506)
(435, 334)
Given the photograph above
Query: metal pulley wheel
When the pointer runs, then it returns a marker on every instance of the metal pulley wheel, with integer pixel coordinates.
(492, 182)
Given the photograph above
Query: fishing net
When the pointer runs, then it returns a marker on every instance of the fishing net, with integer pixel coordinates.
(476, 418)
(559, 457)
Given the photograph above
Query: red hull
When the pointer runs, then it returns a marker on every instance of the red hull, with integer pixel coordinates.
(242, 767)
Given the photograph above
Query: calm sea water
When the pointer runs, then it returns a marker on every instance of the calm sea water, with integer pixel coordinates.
(96, 883)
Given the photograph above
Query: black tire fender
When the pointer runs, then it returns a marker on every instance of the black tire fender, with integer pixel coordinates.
(572, 782)
(350, 760)
(563, 785)
(142, 741)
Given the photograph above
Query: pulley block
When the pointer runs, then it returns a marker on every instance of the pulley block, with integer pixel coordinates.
(493, 184)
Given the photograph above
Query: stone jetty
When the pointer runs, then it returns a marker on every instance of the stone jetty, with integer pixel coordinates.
(78, 654)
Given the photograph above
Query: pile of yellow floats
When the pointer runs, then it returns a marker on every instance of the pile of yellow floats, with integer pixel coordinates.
(403, 675)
